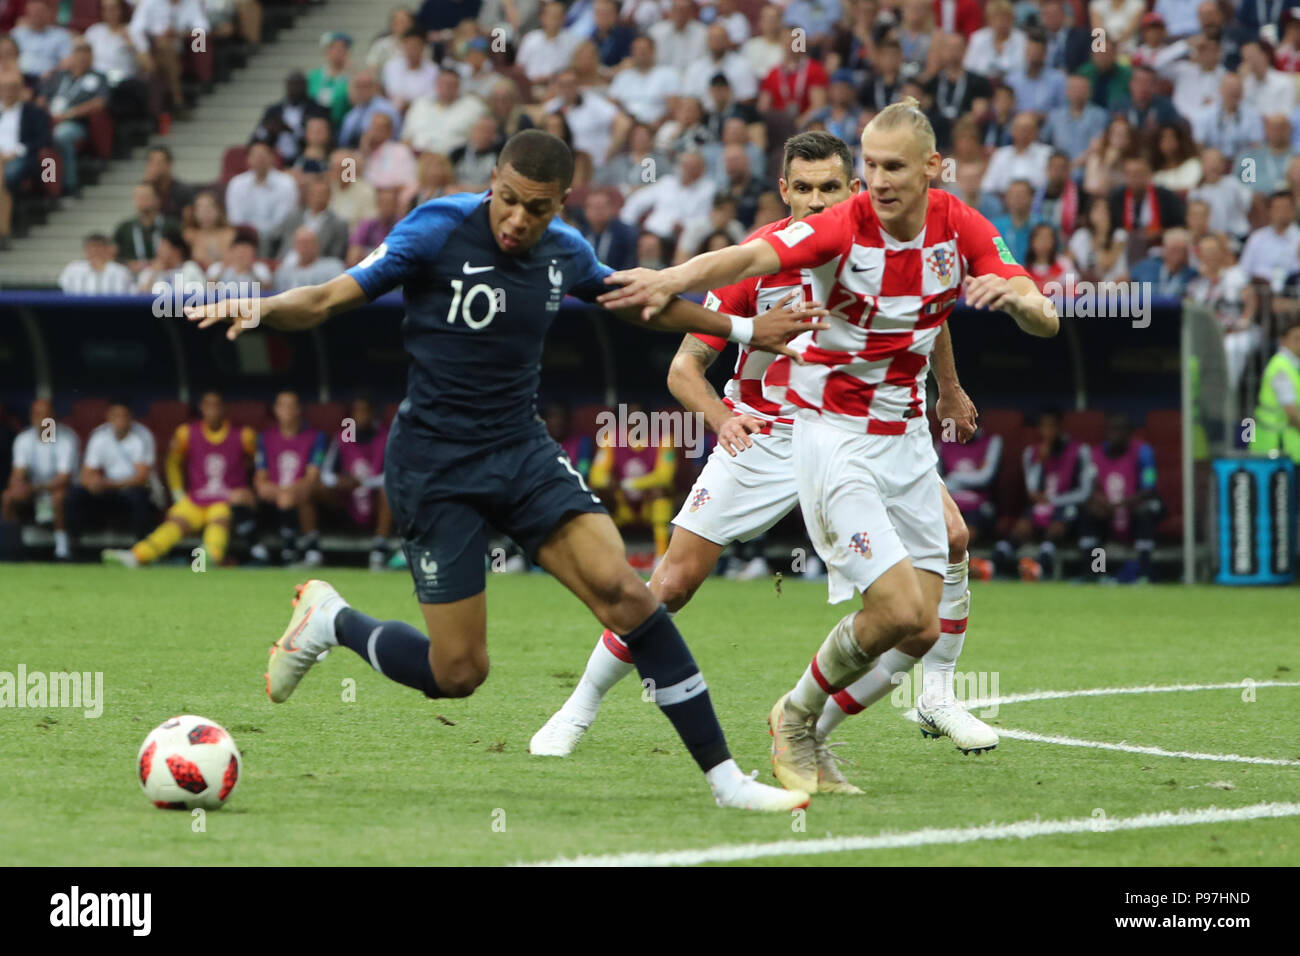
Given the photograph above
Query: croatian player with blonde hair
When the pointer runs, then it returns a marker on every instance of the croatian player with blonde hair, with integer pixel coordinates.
(889, 264)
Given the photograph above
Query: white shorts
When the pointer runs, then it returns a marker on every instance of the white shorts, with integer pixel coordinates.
(736, 499)
(869, 501)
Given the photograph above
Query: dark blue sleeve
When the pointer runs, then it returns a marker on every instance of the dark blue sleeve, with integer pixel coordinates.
(259, 459)
(413, 244)
(1146, 467)
(590, 272)
(317, 455)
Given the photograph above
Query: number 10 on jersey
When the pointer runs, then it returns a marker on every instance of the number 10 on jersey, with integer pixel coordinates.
(494, 299)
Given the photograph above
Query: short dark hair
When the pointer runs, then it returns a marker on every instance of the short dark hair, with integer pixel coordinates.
(538, 156)
(817, 144)
(174, 237)
(160, 148)
(94, 237)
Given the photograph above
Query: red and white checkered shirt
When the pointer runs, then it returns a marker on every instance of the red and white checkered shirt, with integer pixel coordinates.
(887, 300)
(758, 385)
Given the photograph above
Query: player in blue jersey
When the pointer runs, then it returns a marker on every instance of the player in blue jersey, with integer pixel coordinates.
(483, 276)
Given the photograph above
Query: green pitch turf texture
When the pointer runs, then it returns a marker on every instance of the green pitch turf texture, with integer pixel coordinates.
(392, 778)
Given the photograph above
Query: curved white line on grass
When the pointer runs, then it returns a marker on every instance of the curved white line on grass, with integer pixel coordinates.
(933, 837)
(1110, 691)
(1136, 749)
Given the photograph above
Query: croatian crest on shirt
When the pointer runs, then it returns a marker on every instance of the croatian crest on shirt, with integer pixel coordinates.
(941, 261)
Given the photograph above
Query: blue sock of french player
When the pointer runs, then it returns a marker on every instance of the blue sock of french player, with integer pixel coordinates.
(864, 691)
(838, 662)
(394, 648)
(1047, 558)
(288, 529)
(662, 658)
(940, 662)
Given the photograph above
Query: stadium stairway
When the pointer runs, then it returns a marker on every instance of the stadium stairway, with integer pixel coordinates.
(223, 118)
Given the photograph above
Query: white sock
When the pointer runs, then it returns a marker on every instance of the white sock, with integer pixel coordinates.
(865, 691)
(604, 669)
(838, 662)
(724, 777)
(61, 544)
(939, 663)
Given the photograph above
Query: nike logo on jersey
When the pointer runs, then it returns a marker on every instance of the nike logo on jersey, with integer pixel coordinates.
(475, 270)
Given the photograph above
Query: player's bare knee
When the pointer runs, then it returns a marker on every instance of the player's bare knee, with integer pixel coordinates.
(676, 586)
(623, 601)
(460, 678)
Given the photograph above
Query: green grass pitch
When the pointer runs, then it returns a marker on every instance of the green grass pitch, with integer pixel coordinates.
(391, 778)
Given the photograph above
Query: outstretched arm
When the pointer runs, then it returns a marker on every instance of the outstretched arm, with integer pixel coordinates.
(769, 331)
(1019, 298)
(291, 311)
(651, 290)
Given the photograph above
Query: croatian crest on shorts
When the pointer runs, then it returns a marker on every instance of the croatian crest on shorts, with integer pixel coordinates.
(699, 499)
(860, 544)
(941, 260)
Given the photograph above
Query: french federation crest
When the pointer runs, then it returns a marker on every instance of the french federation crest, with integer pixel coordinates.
(699, 499)
(941, 261)
(860, 543)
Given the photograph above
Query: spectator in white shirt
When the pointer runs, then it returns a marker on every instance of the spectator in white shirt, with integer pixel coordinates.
(1119, 18)
(97, 274)
(239, 274)
(442, 122)
(42, 44)
(386, 163)
(673, 201)
(1273, 251)
(681, 39)
(165, 27)
(1229, 125)
(262, 195)
(547, 50)
(353, 198)
(44, 462)
(999, 48)
(1264, 167)
(642, 87)
(115, 476)
(1265, 89)
(1226, 290)
(1179, 16)
(117, 54)
(1025, 158)
(590, 116)
(1227, 197)
(308, 268)
(411, 74)
(765, 51)
(172, 273)
(721, 59)
(1197, 80)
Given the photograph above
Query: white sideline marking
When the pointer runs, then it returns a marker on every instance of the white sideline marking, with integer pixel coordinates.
(1135, 749)
(1109, 691)
(1023, 829)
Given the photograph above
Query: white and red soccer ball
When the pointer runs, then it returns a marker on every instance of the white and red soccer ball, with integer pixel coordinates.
(188, 762)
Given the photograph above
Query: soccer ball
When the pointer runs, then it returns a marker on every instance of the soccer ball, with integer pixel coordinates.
(188, 762)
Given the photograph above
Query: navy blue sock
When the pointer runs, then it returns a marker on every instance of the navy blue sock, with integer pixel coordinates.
(662, 657)
(394, 648)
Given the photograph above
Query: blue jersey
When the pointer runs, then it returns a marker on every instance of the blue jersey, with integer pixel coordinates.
(476, 317)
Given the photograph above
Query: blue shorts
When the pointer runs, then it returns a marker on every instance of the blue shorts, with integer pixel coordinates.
(446, 498)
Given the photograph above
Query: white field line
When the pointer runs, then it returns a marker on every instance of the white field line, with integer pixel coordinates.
(1110, 691)
(1136, 749)
(1023, 829)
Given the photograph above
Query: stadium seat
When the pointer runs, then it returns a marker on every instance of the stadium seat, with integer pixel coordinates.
(325, 416)
(1088, 425)
(1164, 422)
(100, 134)
(84, 14)
(87, 415)
(251, 412)
(1006, 422)
(390, 412)
(233, 162)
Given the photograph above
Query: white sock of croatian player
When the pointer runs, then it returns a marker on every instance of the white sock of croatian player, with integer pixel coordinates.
(838, 662)
(609, 663)
(865, 691)
(940, 662)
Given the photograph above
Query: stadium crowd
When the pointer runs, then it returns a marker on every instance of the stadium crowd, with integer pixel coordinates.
(1111, 141)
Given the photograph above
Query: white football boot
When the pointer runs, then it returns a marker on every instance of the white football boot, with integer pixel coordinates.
(125, 557)
(741, 792)
(950, 719)
(558, 736)
(307, 639)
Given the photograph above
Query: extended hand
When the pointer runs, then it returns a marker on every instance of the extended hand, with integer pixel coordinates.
(775, 327)
(956, 406)
(734, 433)
(990, 292)
(242, 314)
(649, 290)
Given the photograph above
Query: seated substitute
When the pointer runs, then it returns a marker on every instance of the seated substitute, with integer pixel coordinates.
(1124, 505)
(352, 477)
(207, 475)
(638, 480)
(44, 462)
(969, 471)
(116, 475)
(285, 477)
